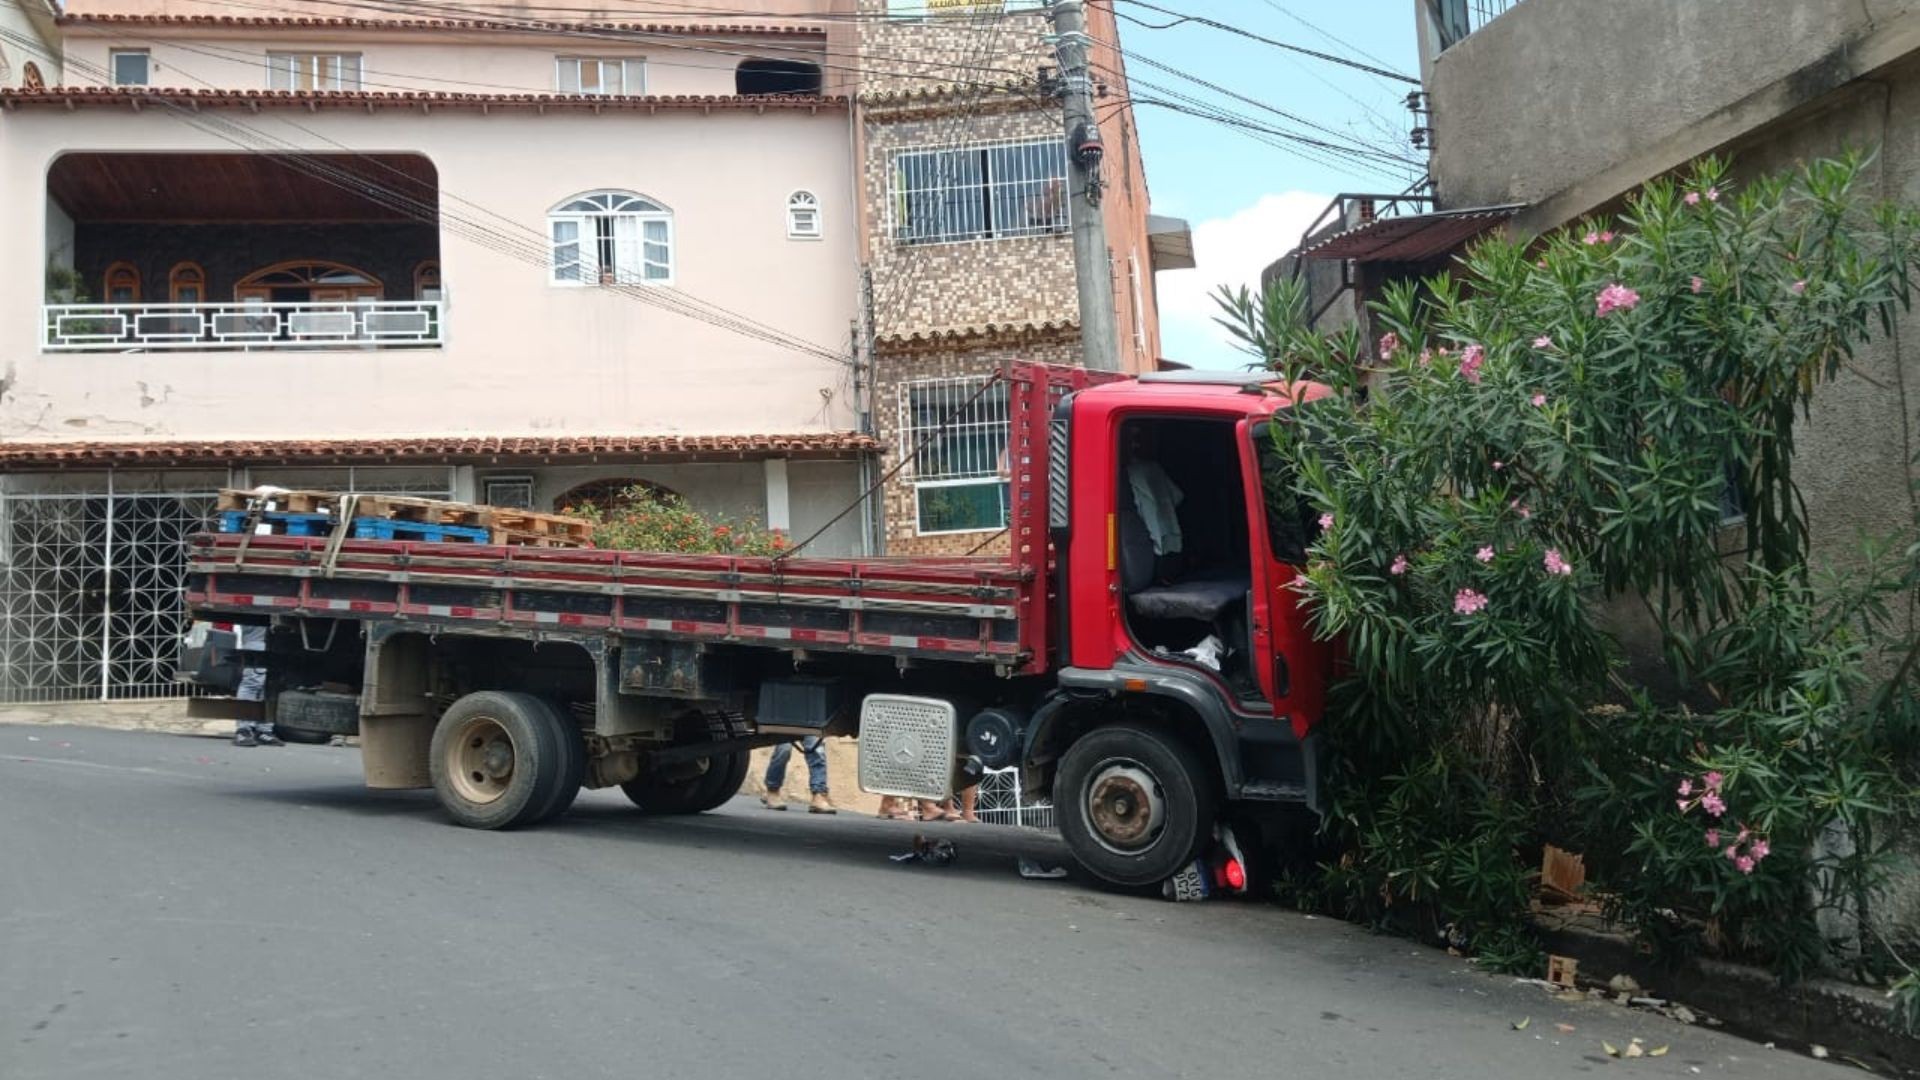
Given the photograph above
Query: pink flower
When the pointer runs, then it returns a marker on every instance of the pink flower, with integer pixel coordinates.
(1559, 566)
(1713, 194)
(1745, 863)
(1759, 849)
(1388, 343)
(1713, 837)
(1468, 602)
(1593, 238)
(1326, 521)
(1712, 804)
(1517, 507)
(1485, 554)
(1797, 287)
(1471, 358)
(1712, 780)
(1699, 283)
(1683, 804)
(1498, 465)
(1543, 342)
(1615, 297)
(1686, 788)
(1537, 400)
(1693, 198)
(1399, 566)
(1426, 357)
(1606, 237)
(1732, 852)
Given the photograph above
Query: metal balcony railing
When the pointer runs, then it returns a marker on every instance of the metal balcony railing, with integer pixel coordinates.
(200, 327)
(1458, 18)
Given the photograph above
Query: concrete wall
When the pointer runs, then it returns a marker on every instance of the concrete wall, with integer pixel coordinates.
(522, 355)
(27, 36)
(1557, 91)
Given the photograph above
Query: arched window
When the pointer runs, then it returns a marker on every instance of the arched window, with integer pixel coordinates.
(426, 280)
(803, 216)
(30, 78)
(122, 284)
(611, 238)
(186, 283)
(759, 76)
(608, 494)
(291, 282)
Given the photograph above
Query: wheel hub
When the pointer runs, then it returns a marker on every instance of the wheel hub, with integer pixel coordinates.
(480, 760)
(1125, 807)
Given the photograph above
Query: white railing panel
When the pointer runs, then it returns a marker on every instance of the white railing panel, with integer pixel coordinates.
(305, 325)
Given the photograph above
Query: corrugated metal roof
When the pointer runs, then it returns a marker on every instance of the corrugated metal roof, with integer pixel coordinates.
(1412, 238)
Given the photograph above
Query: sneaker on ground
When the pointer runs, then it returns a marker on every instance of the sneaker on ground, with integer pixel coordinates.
(268, 738)
(820, 804)
(245, 737)
(773, 800)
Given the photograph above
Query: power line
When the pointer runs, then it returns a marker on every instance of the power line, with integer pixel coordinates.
(1201, 20)
(1302, 20)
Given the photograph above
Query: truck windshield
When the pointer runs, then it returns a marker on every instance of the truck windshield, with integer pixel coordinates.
(1291, 526)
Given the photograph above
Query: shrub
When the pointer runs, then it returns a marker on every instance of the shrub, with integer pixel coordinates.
(644, 519)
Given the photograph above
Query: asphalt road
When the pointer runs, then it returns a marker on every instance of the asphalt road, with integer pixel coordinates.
(176, 907)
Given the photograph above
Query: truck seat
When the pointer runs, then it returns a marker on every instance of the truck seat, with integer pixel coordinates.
(1201, 598)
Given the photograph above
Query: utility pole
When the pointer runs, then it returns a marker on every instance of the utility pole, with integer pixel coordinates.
(1099, 345)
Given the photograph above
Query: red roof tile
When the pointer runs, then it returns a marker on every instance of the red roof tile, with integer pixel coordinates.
(320, 22)
(71, 96)
(451, 449)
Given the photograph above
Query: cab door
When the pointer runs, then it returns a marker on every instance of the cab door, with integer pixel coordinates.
(1289, 663)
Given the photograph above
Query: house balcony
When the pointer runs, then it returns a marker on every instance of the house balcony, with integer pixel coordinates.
(195, 252)
(253, 325)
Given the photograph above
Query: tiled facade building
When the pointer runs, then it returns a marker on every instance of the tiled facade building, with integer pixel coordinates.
(969, 258)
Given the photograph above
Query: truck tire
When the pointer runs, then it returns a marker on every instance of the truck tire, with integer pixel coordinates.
(302, 735)
(697, 795)
(499, 760)
(1134, 804)
(573, 769)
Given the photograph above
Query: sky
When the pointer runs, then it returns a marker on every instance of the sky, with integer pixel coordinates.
(1247, 202)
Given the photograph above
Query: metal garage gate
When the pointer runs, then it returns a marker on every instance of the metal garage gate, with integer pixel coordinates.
(91, 571)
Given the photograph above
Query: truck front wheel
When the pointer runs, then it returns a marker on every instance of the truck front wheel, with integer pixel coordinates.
(500, 760)
(1134, 804)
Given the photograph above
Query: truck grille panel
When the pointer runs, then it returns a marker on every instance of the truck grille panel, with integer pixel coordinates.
(906, 746)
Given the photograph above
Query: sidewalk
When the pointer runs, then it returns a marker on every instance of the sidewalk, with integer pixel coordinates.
(167, 715)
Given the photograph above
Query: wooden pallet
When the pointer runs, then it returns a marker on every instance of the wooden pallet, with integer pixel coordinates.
(531, 523)
(297, 502)
(424, 511)
(275, 522)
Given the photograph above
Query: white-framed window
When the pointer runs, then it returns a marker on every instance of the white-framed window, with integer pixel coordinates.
(611, 238)
(1139, 304)
(508, 492)
(313, 71)
(960, 475)
(599, 75)
(803, 216)
(979, 192)
(130, 67)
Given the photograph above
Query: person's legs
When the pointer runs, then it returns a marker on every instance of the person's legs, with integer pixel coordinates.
(253, 687)
(969, 799)
(816, 755)
(776, 776)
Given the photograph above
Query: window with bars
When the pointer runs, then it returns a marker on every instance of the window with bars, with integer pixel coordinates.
(313, 71)
(599, 75)
(508, 492)
(959, 475)
(980, 192)
(611, 238)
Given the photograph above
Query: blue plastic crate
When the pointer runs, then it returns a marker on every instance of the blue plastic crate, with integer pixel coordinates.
(388, 529)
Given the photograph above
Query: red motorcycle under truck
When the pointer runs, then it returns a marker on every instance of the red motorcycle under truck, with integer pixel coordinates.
(1140, 653)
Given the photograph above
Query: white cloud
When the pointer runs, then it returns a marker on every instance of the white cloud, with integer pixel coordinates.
(1229, 250)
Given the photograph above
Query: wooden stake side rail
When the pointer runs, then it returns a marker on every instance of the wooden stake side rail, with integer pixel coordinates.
(964, 609)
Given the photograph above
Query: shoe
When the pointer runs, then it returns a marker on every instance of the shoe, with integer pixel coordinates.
(773, 800)
(245, 737)
(267, 738)
(820, 804)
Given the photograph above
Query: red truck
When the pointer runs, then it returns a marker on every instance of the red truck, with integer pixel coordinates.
(1140, 653)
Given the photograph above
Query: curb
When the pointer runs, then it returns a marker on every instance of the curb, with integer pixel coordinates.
(1850, 1021)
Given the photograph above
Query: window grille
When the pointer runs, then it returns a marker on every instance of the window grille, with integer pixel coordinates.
(980, 192)
(960, 474)
(509, 492)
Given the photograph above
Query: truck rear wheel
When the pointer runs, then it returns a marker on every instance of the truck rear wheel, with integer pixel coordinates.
(500, 760)
(695, 795)
(1134, 804)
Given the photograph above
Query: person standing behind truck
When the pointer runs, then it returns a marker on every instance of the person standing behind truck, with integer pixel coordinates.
(253, 687)
(816, 756)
